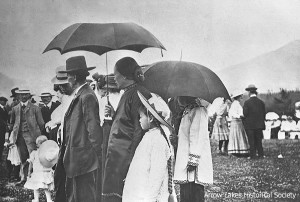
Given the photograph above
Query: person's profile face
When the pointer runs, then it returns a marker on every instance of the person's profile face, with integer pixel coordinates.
(119, 78)
(66, 88)
(144, 120)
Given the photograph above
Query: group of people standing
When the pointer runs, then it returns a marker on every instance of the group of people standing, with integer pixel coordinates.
(246, 124)
(113, 151)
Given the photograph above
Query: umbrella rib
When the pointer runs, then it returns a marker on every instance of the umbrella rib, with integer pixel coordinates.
(195, 66)
(173, 72)
(71, 34)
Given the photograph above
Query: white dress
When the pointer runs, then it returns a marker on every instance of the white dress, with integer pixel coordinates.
(41, 177)
(238, 140)
(147, 177)
(13, 154)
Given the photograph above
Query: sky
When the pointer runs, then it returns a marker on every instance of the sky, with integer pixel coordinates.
(213, 33)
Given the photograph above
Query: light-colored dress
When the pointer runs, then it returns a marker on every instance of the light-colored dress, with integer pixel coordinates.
(238, 140)
(194, 148)
(41, 177)
(147, 177)
(13, 154)
(220, 128)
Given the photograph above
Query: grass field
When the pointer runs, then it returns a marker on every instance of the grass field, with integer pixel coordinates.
(235, 179)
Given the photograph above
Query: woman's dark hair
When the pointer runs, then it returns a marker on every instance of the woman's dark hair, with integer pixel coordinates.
(129, 68)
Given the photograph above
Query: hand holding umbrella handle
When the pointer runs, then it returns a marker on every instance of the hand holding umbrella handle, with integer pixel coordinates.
(109, 110)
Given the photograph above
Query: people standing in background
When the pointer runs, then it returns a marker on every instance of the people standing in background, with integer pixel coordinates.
(220, 129)
(238, 140)
(28, 124)
(255, 113)
(47, 108)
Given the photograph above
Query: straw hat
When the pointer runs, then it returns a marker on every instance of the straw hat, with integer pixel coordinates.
(157, 107)
(236, 93)
(251, 87)
(48, 153)
(23, 92)
(60, 78)
(46, 95)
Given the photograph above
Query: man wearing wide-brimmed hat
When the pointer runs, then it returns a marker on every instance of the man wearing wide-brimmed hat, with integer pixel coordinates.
(28, 124)
(254, 112)
(80, 152)
(48, 106)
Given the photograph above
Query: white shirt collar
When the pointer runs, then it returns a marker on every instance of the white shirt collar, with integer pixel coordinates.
(24, 103)
(253, 95)
(1, 106)
(49, 104)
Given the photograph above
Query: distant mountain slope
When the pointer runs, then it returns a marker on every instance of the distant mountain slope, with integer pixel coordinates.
(270, 71)
(6, 84)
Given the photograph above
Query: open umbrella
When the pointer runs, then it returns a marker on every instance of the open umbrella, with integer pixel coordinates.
(102, 38)
(178, 78)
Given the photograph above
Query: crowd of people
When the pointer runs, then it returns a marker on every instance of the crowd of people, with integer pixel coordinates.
(120, 142)
(116, 139)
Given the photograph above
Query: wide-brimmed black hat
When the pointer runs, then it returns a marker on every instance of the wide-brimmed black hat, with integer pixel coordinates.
(76, 64)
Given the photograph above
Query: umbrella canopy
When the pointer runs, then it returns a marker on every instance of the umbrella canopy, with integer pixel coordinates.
(272, 116)
(178, 78)
(101, 38)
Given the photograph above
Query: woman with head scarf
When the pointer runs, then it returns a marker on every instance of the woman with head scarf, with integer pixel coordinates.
(126, 132)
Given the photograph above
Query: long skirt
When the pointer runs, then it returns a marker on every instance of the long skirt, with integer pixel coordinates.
(220, 129)
(238, 141)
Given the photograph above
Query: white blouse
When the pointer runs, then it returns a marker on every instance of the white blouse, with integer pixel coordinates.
(236, 110)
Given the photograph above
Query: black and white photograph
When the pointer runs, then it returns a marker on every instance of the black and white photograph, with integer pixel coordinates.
(149, 101)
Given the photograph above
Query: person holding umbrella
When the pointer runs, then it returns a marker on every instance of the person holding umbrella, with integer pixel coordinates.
(126, 132)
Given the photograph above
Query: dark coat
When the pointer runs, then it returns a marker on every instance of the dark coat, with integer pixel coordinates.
(46, 112)
(125, 135)
(254, 113)
(82, 134)
(3, 120)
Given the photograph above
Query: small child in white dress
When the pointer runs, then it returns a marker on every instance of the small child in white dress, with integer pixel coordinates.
(149, 177)
(41, 177)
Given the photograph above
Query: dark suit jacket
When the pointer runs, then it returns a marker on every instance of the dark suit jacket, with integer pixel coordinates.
(82, 134)
(33, 117)
(47, 112)
(254, 113)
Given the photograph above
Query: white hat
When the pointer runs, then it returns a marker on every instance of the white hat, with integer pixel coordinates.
(236, 93)
(157, 107)
(23, 92)
(60, 78)
(46, 94)
(48, 153)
